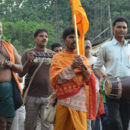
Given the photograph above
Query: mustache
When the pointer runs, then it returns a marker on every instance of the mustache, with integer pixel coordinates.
(43, 40)
(73, 43)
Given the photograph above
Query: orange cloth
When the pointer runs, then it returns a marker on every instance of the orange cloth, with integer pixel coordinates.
(9, 49)
(81, 21)
(69, 119)
(59, 62)
(101, 109)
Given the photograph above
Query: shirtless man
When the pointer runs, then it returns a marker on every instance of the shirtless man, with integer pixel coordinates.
(9, 64)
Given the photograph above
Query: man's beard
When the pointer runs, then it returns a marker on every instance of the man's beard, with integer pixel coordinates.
(0, 36)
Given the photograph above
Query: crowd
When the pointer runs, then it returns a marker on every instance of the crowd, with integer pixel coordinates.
(78, 83)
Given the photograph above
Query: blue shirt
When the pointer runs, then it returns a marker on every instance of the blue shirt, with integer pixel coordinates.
(115, 58)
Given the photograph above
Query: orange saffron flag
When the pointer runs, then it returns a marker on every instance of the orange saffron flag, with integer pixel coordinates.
(81, 22)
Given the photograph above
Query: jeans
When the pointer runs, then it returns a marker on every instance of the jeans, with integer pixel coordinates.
(97, 124)
(104, 118)
(92, 124)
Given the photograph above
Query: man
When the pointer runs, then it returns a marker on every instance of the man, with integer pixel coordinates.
(9, 64)
(92, 59)
(88, 52)
(72, 78)
(40, 89)
(56, 47)
(115, 56)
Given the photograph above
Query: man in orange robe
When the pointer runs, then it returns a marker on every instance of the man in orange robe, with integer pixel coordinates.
(74, 83)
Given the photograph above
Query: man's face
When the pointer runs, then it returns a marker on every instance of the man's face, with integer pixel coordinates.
(0, 30)
(88, 47)
(70, 42)
(57, 49)
(42, 39)
(120, 29)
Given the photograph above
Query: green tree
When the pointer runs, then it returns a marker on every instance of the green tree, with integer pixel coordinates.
(20, 34)
(57, 13)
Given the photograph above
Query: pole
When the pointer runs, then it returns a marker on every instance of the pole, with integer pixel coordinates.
(76, 34)
(109, 16)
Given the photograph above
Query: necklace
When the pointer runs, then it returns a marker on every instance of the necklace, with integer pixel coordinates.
(41, 50)
(1, 50)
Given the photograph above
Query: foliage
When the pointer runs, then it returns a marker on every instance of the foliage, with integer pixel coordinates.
(20, 33)
(22, 17)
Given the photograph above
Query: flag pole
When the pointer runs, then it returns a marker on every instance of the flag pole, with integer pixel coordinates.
(76, 34)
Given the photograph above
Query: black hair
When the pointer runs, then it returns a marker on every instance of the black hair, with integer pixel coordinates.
(54, 45)
(86, 38)
(68, 31)
(120, 19)
(39, 31)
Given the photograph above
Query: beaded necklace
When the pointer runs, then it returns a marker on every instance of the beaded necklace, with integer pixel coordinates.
(2, 51)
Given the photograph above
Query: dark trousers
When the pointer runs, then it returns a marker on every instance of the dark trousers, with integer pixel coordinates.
(118, 114)
(96, 125)
(104, 118)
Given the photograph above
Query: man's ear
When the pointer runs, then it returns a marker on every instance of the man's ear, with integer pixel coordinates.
(63, 41)
(113, 30)
(127, 29)
(34, 39)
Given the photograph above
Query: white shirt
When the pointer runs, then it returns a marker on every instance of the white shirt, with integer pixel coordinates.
(92, 60)
(115, 58)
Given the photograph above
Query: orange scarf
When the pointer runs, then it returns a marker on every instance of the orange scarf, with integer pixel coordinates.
(9, 49)
(59, 62)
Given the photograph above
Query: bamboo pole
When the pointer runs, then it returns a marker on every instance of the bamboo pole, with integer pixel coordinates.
(76, 34)
(109, 16)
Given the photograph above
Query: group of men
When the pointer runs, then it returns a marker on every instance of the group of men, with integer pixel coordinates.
(70, 76)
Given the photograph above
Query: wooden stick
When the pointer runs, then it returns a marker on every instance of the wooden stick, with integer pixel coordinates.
(76, 34)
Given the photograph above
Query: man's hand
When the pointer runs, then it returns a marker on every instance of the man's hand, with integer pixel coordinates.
(101, 80)
(1, 63)
(30, 56)
(13, 66)
(100, 75)
(86, 72)
(77, 63)
(8, 64)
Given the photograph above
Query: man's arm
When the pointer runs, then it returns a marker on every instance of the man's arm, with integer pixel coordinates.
(27, 60)
(16, 66)
(25, 69)
(99, 64)
(86, 73)
(68, 73)
(98, 73)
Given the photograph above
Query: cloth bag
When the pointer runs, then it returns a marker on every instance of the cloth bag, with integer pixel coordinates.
(50, 110)
(17, 97)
